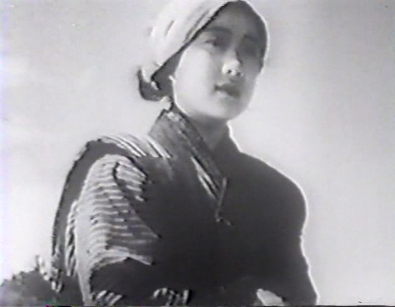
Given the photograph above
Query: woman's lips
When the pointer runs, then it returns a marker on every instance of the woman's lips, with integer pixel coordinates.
(230, 89)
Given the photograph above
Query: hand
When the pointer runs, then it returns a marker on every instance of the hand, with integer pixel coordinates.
(267, 298)
(171, 297)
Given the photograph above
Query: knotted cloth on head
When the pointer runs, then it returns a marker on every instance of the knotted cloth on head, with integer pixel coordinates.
(176, 26)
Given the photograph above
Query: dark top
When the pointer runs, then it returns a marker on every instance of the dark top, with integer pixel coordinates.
(145, 221)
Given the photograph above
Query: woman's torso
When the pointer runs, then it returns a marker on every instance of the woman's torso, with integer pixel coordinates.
(218, 215)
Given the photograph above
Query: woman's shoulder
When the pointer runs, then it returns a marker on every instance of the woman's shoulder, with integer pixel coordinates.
(133, 146)
(270, 178)
(264, 170)
(110, 154)
(137, 149)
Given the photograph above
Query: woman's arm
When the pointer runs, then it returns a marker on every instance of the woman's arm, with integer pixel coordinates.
(290, 262)
(114, 247)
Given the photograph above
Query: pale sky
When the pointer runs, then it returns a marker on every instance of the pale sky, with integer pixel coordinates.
(323, 113)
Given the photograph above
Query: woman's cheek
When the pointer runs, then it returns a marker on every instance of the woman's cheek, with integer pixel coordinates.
(212, 63)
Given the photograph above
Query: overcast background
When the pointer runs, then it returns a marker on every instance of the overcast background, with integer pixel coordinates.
(323, 113)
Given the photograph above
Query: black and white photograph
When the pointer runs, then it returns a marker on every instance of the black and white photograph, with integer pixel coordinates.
(197, 152)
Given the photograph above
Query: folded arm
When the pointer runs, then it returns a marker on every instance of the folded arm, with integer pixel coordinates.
(284, 268)
(114, 247)
(293, 267)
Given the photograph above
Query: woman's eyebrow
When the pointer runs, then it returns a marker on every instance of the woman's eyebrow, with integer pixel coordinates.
(222, 30)
(253, 39)
(218, 29)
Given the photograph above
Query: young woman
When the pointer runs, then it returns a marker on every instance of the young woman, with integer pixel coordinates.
(181, 216)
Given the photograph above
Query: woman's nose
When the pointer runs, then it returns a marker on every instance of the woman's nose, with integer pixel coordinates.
(232, 68)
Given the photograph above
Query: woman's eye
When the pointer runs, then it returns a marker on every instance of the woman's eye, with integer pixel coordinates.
(252, 50)
(216, 42)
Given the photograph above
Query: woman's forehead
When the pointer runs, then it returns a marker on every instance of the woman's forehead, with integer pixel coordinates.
(234, 18)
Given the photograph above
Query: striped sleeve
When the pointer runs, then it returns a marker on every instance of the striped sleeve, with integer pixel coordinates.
(113, 246)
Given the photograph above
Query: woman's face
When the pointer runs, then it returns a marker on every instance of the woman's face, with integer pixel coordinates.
(216, 73)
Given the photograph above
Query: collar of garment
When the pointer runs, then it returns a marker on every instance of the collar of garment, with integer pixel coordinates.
(214, 167)
(174, 130)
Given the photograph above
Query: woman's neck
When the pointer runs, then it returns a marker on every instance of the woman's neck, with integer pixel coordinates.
(210, 130)
(212, 133)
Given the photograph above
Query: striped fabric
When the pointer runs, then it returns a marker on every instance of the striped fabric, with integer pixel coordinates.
(102, 226)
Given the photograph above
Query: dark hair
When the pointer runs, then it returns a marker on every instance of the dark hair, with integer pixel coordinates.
(160, 85)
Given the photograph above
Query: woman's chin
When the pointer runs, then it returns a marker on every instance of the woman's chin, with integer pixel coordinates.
(223, 113)
(220, 108)
(228, 107)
